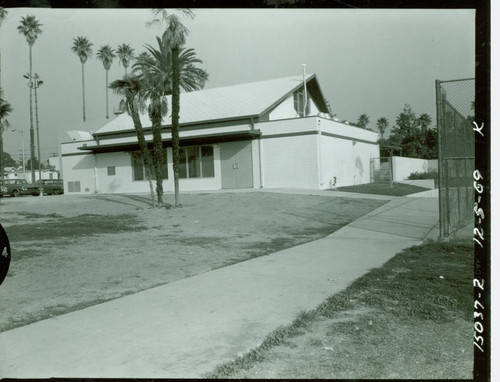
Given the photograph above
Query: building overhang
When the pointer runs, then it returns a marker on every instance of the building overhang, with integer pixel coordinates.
(184, 141)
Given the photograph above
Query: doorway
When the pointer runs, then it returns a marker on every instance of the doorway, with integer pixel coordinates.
(236, 164)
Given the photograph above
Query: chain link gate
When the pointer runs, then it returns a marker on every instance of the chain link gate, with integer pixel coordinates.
(455, 114)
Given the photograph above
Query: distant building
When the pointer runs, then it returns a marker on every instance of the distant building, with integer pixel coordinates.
(243, 136)
(18, 173)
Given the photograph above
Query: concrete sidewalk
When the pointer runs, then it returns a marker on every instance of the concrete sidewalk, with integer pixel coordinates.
(186, 328)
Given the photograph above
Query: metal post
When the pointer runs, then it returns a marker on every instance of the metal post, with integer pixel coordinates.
(36, 84)
(305, 88)
(440, 158)
(390, 170)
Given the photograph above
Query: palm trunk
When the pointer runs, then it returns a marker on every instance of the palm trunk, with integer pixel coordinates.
(32, 130)
(146, 158)
(1, 153)
(107, 114)
(157, 150)
(175, 119)
(83, 91)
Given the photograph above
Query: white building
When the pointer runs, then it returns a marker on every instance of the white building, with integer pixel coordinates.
(243, 136)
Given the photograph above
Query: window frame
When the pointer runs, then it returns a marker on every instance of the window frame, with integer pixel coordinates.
(198, 158)
(135, 155)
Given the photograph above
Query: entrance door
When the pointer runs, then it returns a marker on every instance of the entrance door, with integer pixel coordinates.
(236, 164)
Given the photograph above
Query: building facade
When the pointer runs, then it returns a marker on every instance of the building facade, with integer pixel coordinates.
(267, 134)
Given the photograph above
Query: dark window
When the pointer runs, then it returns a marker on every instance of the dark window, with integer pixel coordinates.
(111, 170)
(196, 162)
(137, 166)
(298, 102)
(182, 163)
(138, 170)
(207, 161)
(193, 156)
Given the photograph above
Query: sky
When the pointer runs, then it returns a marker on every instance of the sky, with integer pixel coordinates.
(371, 61)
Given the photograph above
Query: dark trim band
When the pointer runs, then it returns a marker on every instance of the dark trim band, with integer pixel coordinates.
(348, 138)
(74, 154)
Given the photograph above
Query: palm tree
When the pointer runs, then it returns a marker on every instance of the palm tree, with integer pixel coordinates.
(363, 120)
(30, 28)
(132, 88)
(175, 34)
(125, 54)
(424, 121)
(382, 124)
(154, 68)
(3, 16)
(5, 110)
(157, 69)
(106, 54)
(83, 48)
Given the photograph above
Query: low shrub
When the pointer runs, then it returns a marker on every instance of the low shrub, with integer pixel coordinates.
(423, 175)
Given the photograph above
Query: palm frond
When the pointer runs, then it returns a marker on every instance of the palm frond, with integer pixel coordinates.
(30, 27)
(83, 48)
(106, 54)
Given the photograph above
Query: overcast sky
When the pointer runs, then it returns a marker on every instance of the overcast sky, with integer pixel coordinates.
(367, 61)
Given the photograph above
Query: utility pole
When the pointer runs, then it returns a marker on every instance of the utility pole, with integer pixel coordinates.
(35, 83)
(22, 155)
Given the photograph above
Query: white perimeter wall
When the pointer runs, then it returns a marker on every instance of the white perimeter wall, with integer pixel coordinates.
(289, 159)
(402, 167)
(346, 155)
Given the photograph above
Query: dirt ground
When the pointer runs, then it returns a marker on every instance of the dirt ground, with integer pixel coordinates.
(70, 252)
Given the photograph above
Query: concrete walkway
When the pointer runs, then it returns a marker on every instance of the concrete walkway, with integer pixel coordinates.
(186, 328)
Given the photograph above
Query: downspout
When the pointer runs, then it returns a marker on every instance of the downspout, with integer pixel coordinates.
(260, 164)
(95, 173)
(305, 88)
(320, 180)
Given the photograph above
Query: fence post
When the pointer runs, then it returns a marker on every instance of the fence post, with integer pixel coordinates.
(439, 123)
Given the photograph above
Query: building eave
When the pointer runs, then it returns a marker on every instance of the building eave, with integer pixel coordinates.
(184, 141)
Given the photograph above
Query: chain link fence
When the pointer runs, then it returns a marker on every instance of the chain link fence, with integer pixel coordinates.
(455, 114)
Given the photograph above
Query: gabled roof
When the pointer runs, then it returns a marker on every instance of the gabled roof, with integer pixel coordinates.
(240, 101)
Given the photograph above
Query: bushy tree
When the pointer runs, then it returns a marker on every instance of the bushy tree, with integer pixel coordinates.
(8, 161)
(414, 135)
(35, 165)
(5, 110)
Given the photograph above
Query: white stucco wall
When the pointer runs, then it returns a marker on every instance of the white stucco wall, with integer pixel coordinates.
(290, 159)
(290, 153)
(402, 167)
(345, 153)
(81, 168)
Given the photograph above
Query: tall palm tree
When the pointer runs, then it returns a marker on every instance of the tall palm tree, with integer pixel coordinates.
(125, 55)
(363, 120)
(154, 69)
(30, 27)
(157, 70)
(3, 16)
(83, 48)
(106, 54)
(175, 34)
(132, 88)
(5, 110)
(424, 121)
(382, 124)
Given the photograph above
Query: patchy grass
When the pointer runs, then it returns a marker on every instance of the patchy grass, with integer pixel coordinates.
(411, 318)
(78, 251)
(383, 188)
(77, 226)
